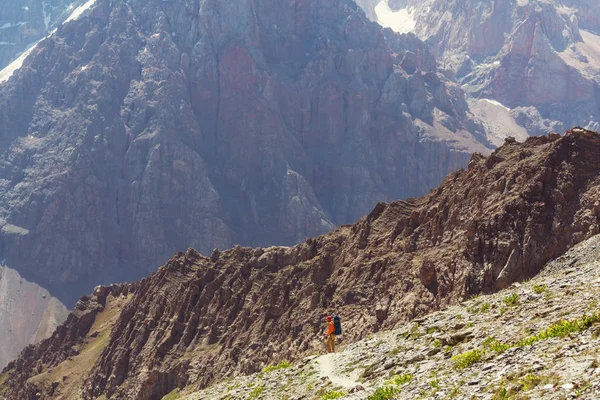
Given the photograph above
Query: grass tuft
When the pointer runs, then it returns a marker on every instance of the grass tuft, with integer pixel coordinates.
(468, 358)
(281, 365)
(333, 395)
(384, 393)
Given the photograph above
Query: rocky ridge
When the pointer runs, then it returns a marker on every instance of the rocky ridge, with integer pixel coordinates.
(201, 319)
(422, 360)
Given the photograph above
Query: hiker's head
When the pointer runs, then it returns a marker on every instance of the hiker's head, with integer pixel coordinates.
(328, 318)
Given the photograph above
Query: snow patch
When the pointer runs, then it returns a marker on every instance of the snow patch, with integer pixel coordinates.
(9, 25)
(496, 103)
(46, 15)
(7, 72)
(399, 21)
(80, 10)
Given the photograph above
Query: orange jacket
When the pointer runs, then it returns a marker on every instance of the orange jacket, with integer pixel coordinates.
(330, 329)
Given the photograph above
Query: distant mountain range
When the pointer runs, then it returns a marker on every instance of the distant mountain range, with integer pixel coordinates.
(528, 67)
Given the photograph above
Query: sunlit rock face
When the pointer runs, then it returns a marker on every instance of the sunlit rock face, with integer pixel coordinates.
(538, 58)
(28, 314)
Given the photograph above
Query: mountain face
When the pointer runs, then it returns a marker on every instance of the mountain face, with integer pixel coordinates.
(199, 318)
(144, 127)
(24, 22)
(537, 60)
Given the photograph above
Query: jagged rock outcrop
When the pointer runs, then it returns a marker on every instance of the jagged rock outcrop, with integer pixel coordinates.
(145, 127)
(201, 318)
(538, 58)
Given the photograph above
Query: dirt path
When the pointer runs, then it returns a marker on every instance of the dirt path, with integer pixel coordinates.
(330, 365)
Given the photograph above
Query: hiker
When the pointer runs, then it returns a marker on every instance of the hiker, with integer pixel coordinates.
(330, 335)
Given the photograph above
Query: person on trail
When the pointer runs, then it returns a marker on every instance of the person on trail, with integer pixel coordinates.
(330, 335)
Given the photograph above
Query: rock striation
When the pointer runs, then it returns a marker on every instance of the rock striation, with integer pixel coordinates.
(200, 319)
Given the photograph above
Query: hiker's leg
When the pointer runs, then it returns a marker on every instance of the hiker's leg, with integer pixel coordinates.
(327, 344)
(332, 343)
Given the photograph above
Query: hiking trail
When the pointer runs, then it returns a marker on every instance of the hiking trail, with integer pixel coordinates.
(332, 366)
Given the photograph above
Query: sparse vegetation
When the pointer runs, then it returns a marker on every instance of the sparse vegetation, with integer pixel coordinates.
(511, 300)
(400, 380)
(437, 343)
(529, 382)
(485, 307)
(384, 393)
(281, 365)
(454, 393)
(174, 395)
(333, 395)
(539, 289)
(468, 358)
(256, 392)
(562, 329)
(495, 345)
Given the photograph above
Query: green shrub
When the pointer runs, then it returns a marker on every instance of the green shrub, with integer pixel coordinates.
(529, 382)
(495, 345)
(281, 365)
(562, 329)
(539, 289)
(333, 395)
(400, 380)
(485, 307)
(511, 300)
(384, 393)
(468, 358)
(437, 343)
(256, 392)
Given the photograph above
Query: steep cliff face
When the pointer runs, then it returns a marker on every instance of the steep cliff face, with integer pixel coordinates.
(538, 58)
(24, 22)
(201, 318)
(150, 126)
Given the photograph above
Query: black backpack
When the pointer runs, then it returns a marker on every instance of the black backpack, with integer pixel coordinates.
(337, 323)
